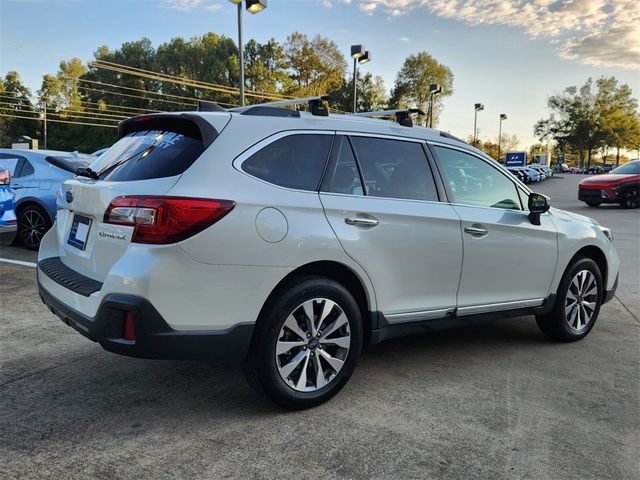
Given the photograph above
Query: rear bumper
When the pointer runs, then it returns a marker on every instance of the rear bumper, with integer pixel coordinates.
(153, 337)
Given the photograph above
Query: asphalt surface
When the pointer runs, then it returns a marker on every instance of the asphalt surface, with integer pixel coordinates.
(493, 401)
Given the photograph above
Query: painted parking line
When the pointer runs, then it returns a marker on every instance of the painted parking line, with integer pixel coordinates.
(18, 262)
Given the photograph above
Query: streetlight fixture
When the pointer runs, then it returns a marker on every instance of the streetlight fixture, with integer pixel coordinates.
(503, 116)
(360, 56)
(253, 6)
(434, 89)
(478, 108)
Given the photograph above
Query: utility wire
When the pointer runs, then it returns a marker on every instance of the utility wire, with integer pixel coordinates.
(59, 121)
(182, 80)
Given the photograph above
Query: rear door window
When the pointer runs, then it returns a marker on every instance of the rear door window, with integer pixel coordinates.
(147, 154)
(342, 175)
(294, 161)
(394, 168)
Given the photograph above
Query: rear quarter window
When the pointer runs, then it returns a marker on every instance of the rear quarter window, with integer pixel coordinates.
(295, 161)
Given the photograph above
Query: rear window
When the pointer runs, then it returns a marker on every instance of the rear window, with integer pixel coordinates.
(296, 161)
(68, 163)
(147, 154)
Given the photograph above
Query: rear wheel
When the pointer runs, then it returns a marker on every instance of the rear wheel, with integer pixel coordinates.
(577, 304)
(306, 345)
(33, 223)
(591, 203)
(630, 198)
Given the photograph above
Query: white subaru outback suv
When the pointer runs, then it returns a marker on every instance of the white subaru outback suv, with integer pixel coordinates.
(289, 240)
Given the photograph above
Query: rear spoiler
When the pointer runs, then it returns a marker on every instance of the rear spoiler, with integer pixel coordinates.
(187, 124)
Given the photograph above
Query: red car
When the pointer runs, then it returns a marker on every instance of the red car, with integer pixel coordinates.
(620, 186)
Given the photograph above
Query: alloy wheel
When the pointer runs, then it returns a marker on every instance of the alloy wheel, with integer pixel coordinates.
(631, 198)
(313, 345)
(581, 300)
(32, 227)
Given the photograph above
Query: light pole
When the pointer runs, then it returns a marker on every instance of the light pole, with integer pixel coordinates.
(253, 6)
(478, 108)
(360, 56)
(434, 89)
(503, 116)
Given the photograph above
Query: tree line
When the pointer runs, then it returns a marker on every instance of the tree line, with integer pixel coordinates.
(598, 117)
(101, 92)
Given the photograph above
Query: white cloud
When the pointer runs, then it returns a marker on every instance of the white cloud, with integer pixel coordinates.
(183, 4)
(595, 32)
(368, 7)
(404, 39)
(187, 5)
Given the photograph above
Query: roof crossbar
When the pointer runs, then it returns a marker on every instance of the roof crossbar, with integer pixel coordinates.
(402, 115)
(316, 105)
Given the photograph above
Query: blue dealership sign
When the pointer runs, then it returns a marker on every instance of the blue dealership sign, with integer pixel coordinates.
(516, 159)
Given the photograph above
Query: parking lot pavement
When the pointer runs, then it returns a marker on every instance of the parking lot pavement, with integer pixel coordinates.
(494, 400)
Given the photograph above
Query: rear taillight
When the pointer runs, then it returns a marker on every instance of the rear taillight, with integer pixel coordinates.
(5, 177)
(162, 220)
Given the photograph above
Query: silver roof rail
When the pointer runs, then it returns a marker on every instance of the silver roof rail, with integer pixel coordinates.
(316, 105)
(401, 114)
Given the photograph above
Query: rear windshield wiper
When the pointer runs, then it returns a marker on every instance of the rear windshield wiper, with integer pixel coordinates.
(86, 172)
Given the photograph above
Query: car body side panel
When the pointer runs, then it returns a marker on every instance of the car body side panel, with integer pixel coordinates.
(514, 261)
(189, 295)
(576, 232)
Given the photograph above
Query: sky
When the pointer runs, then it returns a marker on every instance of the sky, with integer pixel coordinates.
(510, 55)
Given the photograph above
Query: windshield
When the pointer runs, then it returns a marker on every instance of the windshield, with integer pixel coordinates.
(628, 168)
(147, 154)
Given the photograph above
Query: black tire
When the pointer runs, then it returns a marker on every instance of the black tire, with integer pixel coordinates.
(261, 368)
(593, 204)
(630, 198)
(33, 223)
(556, 324)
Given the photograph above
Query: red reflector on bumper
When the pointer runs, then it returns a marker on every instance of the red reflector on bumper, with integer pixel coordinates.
(129, 327)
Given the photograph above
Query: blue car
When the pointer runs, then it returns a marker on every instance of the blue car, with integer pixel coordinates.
(8, 222)
(35, 178)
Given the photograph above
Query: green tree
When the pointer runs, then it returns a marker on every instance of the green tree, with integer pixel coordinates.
(372, 94)
(618, 112)
(316, 66)
(15, 102)
(266, 67)
(411, 88)
(590, 117)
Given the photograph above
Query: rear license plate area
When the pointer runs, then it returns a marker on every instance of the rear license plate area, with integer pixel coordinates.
(79, 232)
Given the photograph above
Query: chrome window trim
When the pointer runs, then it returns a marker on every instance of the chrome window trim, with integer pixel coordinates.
(382, 136)
(240, 159)
(434, 202)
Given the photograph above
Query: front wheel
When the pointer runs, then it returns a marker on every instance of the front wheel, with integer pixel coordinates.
(306, 344)
(630, 198)
(577, 303)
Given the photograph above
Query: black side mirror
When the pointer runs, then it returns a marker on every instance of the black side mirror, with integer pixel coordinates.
(538, 204)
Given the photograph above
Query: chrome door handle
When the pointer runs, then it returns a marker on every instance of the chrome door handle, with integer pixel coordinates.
(16, 186)
(476, 230)
(361, 222)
